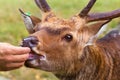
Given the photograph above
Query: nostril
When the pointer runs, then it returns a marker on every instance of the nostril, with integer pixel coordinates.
(30, 42)
(33, 42)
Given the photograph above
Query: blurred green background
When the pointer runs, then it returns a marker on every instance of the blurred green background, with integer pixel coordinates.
(12, 28)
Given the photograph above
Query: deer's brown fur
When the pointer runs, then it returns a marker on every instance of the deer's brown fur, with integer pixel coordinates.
(70, 48)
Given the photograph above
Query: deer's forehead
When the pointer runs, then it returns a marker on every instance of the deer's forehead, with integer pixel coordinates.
(60, 23)
(60, 26)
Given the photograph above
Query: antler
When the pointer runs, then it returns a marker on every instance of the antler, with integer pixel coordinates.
(86, 10)
(42, 4)
(103, 16)
(97, 16)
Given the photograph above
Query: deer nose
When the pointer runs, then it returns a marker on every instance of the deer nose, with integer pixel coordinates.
(30, 42)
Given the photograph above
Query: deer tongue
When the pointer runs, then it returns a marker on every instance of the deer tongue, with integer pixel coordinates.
(33, 56)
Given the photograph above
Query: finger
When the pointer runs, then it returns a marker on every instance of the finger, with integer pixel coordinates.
(18, 50)
(8, 69)
(12, 66)
(17, 58)
(21, 50)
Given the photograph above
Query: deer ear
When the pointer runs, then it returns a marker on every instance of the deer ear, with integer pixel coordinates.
(93, 30)
(30, 21)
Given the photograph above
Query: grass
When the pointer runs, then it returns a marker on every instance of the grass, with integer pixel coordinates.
(12, 29)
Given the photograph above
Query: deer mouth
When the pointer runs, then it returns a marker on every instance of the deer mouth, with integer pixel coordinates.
(35, 56)
(34, 59)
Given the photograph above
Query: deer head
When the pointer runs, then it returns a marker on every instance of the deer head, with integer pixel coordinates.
(57, 45)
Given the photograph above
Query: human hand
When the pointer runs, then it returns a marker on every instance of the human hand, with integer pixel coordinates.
(12, 57)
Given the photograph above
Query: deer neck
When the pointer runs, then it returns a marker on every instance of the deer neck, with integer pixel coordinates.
(96, 66)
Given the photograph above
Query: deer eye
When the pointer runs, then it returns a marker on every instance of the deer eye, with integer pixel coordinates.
(68, 37)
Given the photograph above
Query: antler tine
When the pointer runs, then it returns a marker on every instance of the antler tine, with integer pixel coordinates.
(86, 10)
(103, 16)
(42, 4)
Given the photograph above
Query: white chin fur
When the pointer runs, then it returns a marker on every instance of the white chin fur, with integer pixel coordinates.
(34, 62)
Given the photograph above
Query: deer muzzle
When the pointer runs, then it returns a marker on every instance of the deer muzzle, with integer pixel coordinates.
(30, 42)
(33, 58)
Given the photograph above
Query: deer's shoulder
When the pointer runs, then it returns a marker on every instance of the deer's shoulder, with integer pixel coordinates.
(112, 38)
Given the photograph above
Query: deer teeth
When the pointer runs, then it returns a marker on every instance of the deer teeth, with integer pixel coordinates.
(43, 57)
(35, 50)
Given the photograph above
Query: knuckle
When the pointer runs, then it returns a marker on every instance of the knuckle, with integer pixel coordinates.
(1, 52)
(8, 66)
(8, 59)
(7, 51)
